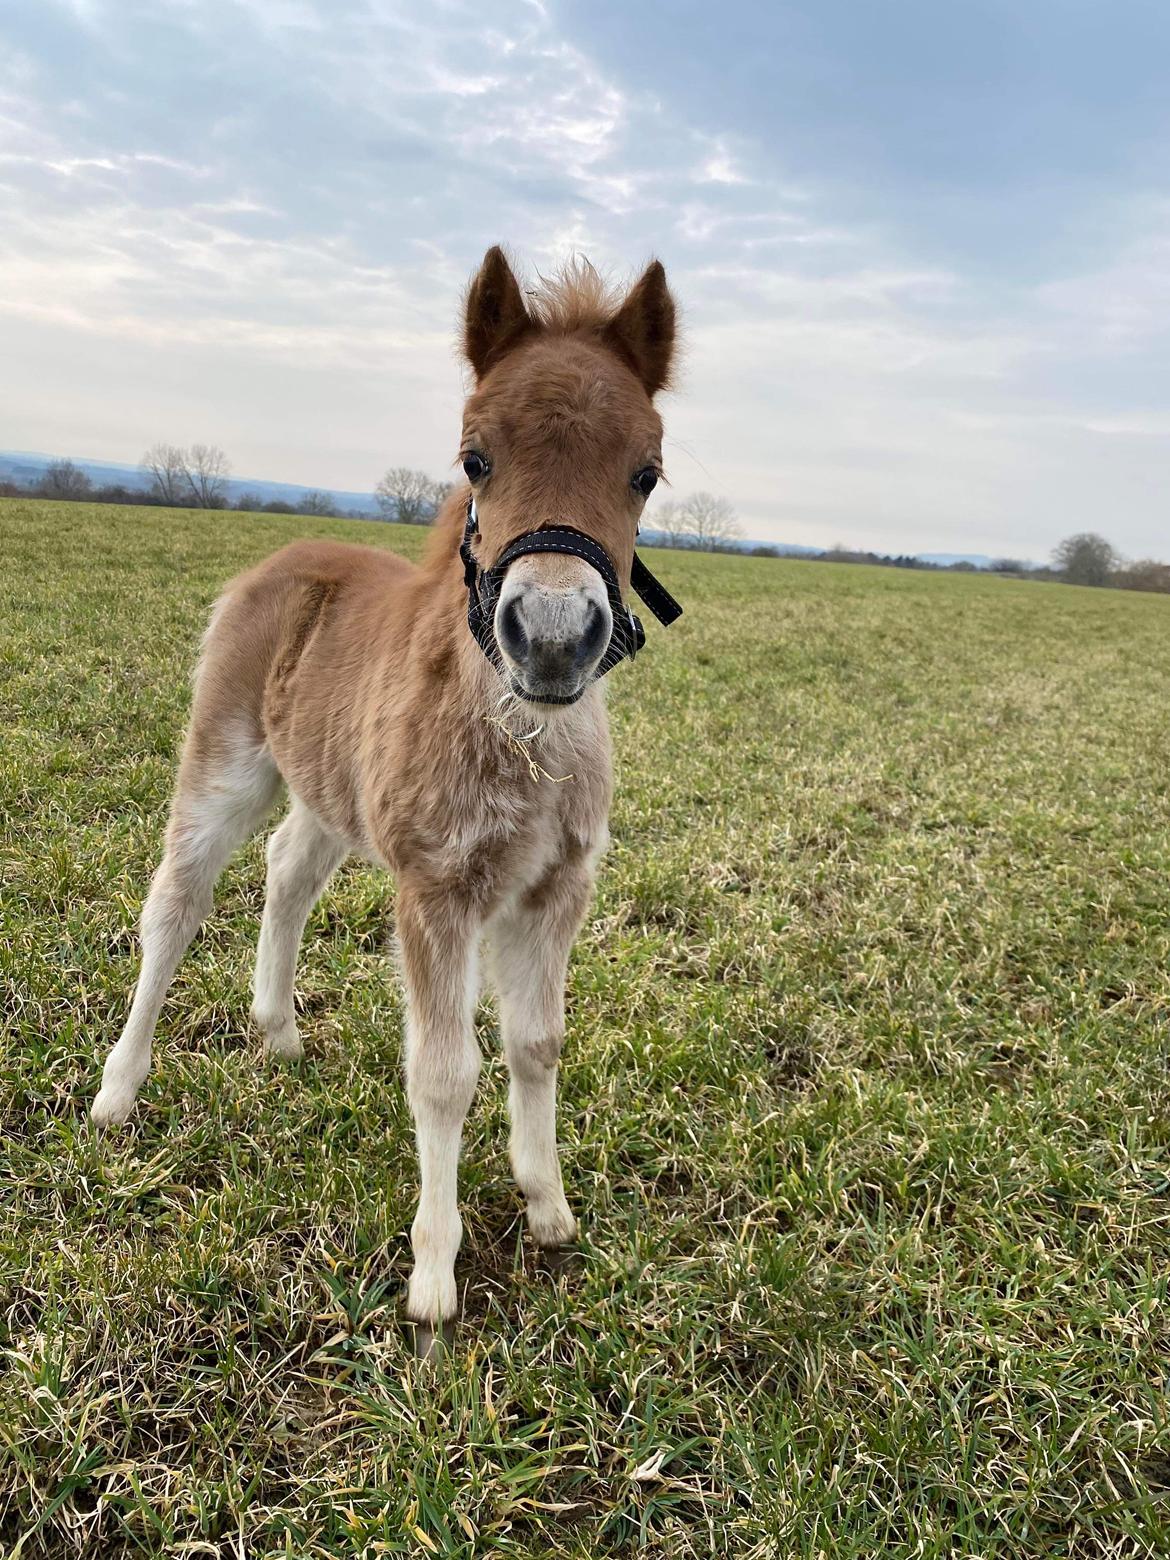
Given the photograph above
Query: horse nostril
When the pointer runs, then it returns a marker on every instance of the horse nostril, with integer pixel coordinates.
(593, 638)
(511, 630)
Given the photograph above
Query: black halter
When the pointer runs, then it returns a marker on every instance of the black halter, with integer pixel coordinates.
(484, 586)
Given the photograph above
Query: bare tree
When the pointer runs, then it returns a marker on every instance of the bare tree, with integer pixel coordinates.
(63, 479)
(702, 521)
(317, 503)
(710, 520)
(208, 469)
(410, 497)
(1085, 559)
(668, 525)
(166, 466)
(249, 501)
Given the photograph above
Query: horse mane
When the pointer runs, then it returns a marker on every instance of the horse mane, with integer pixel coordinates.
(576, 297)
(446, 532)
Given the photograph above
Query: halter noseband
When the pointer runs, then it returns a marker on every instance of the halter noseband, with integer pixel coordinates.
(484, 586)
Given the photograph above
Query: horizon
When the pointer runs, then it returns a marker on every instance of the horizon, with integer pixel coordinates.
(743, 541)
(921, 256)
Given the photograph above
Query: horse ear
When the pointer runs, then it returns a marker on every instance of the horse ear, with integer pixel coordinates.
(642, 330)
(495, 318)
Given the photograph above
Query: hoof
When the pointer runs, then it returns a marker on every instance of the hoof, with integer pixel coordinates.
(429, 1341)
(112, 1106)
(281, 1039)
(551, 1224)
(432, 1300)
(558, 1261)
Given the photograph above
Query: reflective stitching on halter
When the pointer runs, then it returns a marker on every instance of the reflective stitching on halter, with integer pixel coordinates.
(575, 552)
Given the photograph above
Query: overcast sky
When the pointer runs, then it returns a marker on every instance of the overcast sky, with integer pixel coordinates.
(922, 249)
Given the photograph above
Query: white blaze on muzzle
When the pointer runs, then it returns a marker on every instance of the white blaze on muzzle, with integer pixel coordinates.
(484, 587)
(553, 620)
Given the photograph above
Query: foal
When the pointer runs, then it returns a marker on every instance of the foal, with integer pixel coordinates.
(349, 675)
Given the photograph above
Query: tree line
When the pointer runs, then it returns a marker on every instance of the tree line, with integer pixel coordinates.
(1083, 559)
(196, 476)
(1088, 559)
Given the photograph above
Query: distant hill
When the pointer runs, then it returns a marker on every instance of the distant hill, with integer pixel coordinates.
(945, 560)
(649, 537)
(25, 467)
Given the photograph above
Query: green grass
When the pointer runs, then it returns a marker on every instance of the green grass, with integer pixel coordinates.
(865, 1104)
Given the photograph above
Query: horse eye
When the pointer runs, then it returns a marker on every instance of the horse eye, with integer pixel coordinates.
(645, 481)
(474, 466)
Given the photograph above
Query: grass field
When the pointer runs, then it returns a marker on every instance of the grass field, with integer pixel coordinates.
(865, 1104)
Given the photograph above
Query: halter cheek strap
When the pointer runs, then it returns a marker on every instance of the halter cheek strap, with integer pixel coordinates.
(484, 586)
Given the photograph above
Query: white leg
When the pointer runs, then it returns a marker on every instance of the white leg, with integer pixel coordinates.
(210, 817)
(529, 952)
(442, 1066)
(301, 857)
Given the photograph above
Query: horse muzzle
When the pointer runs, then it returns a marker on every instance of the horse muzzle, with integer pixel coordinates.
(553, 623)
(555, 636)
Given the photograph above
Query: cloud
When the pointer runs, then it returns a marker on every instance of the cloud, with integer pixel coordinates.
(1124, 303)
(719, 167)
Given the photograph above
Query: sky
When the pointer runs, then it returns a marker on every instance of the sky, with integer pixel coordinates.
(922, 250)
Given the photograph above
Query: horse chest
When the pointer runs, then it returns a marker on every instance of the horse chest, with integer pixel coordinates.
(504, 843)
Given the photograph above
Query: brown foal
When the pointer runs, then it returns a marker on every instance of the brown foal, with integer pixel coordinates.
(349, 676)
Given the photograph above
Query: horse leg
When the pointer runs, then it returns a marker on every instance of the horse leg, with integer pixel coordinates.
(529, 945)
(221, 798)
(302, 855)
(438, 940)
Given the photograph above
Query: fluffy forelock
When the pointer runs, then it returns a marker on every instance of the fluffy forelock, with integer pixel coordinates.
(576, 297)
